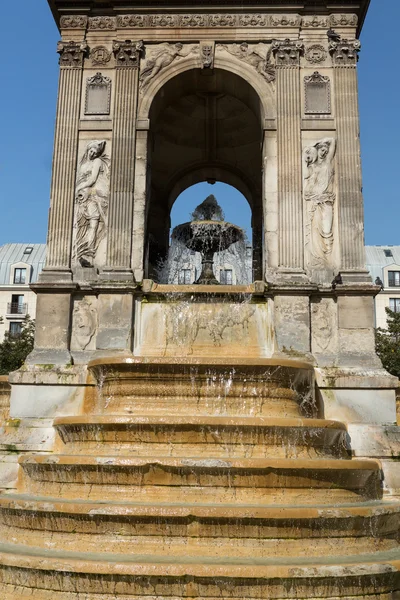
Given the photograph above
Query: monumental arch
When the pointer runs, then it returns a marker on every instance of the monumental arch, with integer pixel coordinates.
(203, 441)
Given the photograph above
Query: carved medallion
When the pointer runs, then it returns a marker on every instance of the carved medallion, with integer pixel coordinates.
(316, 54)
(100, 56)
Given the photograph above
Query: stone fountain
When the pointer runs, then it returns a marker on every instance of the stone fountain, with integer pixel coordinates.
(208, 233)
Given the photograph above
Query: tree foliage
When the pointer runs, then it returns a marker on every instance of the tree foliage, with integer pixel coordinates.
(388, 343)
(15, 349)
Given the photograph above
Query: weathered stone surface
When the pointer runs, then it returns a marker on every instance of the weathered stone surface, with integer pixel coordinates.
(115, 322)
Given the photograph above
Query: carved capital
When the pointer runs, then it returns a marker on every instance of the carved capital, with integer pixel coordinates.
(127, 53)
(72, 53)
(287, 52)
(73, 22)
(345, 52)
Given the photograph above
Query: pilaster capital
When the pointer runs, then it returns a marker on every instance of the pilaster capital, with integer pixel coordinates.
(72, 53)
(345, 52)
(127, 53)
(287, 52)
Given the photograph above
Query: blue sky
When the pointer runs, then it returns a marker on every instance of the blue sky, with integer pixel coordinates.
(28, 103)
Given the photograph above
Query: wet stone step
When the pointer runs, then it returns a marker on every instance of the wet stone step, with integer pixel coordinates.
(202, 480)
(199, 530)
(198, 436)
(105, 576)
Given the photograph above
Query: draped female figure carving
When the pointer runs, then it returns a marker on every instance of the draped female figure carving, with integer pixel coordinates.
(320, 199)
(91, 195)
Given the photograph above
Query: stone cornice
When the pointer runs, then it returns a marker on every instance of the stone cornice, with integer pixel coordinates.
(114, 7)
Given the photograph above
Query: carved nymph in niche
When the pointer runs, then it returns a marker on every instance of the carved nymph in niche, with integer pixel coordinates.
(319, 194)
(91, 197)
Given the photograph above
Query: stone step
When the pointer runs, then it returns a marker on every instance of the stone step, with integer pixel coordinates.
(103, 576)
(184, 530)
(203, 436)
(187, 388)
(201, 480)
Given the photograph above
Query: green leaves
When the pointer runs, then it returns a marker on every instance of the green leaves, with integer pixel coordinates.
(15, 349)
(388, 343)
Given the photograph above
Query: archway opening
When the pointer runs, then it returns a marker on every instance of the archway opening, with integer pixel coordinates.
(205, 127)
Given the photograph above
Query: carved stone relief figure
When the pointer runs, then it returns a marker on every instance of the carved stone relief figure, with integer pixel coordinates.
(91, 197)
(84, 326)
(160, 57)
(319, 195)
(257, 55)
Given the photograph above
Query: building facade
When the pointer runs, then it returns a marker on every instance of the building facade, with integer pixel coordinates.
(383, 262)
(20, 265)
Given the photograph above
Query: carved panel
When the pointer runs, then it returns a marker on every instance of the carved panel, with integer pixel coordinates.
(285, 21)
(102, 23)
(256, 55)
(72, 53)
(317, 93)
(315, 21)
(84, 324)
(345, 52)
(287, 53)
(100, 56)
(160, 56)
(91, 204)
(98, 95)
(316, 54)
(73, 22)
(128, 53)
(224, 20)
(253, 20)
(343, 20)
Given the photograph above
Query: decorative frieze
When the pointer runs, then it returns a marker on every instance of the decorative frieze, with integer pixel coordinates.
(73, 22)
(315, 54)
(98, 95)
(100, 56)
(317, 93)
(72, 53)
(345, 52)
(127, 54)
(160, 56)
(223, 20)
(287, 52)
(102, 23)
(256, 55)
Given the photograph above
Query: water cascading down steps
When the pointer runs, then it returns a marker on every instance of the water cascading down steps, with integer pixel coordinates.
(198, 481)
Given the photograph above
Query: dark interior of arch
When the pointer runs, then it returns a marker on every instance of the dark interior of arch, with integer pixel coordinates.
(204, 126)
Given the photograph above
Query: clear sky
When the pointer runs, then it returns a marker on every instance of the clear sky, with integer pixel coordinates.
(27, 112)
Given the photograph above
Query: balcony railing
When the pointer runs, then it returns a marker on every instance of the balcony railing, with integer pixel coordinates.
(14, 308)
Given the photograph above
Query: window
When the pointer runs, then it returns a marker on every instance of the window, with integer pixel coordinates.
(15, 329)
(394, 278)
(226, 276)
(20, 276)
(28, 250)
(394, 304)
(388, 253)
(185, 277)
(16, 306)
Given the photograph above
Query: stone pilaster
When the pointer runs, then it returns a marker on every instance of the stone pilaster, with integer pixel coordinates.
(65, 158)
(287, 57)
(120, 218)
(350, 201)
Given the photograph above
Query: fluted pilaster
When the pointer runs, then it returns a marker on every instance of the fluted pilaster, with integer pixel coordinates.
(350, 201)
(291, 247)
(65, 156)
(123, 155)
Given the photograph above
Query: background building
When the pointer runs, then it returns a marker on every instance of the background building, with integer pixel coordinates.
(20, 265)
(383, 262)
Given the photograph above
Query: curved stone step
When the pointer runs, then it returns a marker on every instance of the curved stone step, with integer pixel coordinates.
(184, 530)
(102, 576)
(244, 481)
(242, 437)
(194, 387)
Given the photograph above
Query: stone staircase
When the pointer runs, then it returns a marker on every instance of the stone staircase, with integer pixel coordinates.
(199, 481)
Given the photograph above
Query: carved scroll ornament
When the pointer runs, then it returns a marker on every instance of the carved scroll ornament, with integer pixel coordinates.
(320, 196)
